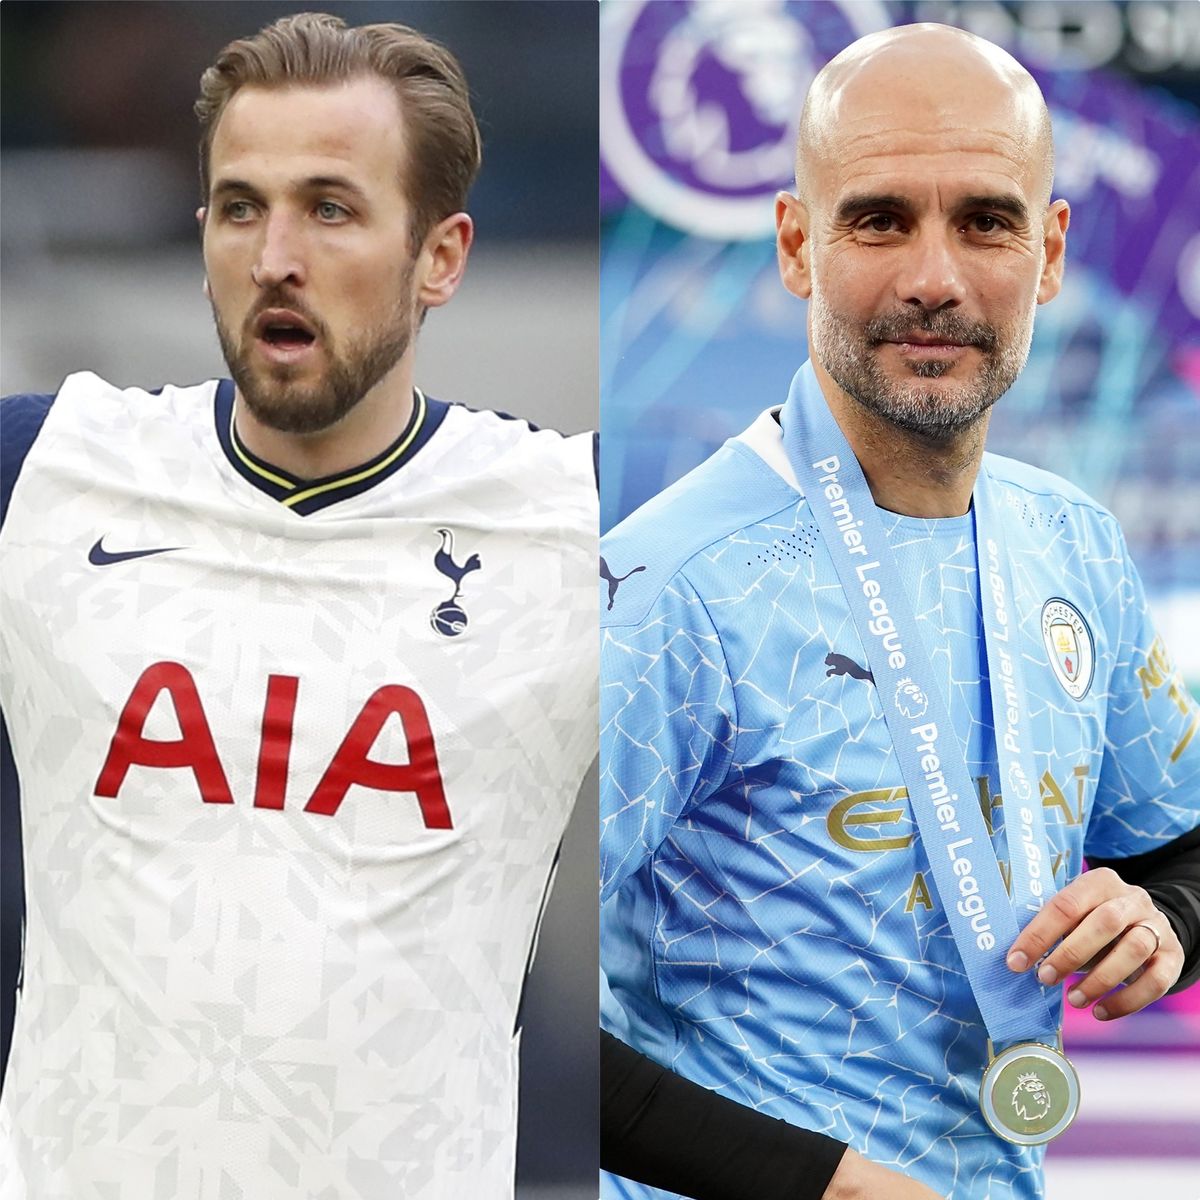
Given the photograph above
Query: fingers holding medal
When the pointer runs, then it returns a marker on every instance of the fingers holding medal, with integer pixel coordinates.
(1111, 935)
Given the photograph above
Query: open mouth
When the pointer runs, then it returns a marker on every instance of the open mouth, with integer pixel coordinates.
(284, 334)
(287, 337)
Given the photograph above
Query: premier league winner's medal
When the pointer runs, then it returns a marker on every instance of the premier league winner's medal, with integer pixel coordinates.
(1030, 1093)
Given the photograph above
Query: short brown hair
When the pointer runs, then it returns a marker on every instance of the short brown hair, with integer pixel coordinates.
(315, 48)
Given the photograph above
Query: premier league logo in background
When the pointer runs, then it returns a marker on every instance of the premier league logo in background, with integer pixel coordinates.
(699, 101)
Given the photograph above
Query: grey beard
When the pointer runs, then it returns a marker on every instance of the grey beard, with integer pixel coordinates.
(848, 355)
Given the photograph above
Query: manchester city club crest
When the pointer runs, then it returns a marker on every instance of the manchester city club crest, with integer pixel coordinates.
(449, 618)
(1069, 645)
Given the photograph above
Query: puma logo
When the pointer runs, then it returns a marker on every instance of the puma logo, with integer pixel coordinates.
(614, 581)
(839, 664)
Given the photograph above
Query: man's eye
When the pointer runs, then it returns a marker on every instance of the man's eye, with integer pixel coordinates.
(237, 210)
(327, 210)
(880, 223)
(986, 223)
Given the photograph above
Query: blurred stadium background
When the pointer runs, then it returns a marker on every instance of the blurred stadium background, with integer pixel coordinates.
(102, 271)
(698, 101)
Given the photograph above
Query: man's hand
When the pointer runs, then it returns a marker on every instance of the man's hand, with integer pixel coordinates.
(858, 1178)
(1106, 928)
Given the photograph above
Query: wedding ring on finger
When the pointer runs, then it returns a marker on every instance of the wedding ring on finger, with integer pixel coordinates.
(1150, 929)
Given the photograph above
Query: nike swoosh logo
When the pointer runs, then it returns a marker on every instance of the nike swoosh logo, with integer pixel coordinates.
(99, 557)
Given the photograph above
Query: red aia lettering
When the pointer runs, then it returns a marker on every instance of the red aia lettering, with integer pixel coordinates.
(275, 747)
(195, 748)
(351, 765)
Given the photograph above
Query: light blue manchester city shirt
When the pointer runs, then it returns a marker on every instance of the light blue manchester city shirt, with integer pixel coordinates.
(769, 927)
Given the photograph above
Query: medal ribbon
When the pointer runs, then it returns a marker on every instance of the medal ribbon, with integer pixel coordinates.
(983, 918)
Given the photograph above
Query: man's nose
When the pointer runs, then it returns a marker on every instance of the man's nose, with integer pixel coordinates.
(280, 259)
(931, 274)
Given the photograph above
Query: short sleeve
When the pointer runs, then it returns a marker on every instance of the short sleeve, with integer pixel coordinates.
(1149, 788)
(667, 726)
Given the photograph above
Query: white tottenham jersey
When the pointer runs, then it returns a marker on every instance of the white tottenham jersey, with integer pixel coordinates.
(295, 761)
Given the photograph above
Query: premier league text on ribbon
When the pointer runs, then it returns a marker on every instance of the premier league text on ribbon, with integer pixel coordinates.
(970, 902)
(881, 624)
(1012, 720)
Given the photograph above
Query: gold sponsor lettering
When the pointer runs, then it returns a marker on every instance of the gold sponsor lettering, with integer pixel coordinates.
(843, 821)
(840, 816)
(1187, 737)
(1157, 670)
(919, 894)
(1053, 796)
(987, 802)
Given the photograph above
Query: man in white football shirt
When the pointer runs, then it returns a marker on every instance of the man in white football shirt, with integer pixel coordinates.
(300, 685)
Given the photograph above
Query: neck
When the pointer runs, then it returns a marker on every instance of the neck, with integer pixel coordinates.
(909, 473)
(372, 425)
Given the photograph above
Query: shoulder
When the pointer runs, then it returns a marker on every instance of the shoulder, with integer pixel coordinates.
(518, 445)
(1042, 499)
(85, 412)
(21, 420)
(85, 394)
(729, 492)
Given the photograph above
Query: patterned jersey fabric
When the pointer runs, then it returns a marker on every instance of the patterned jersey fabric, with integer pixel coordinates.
(769, 926)
(295, 760)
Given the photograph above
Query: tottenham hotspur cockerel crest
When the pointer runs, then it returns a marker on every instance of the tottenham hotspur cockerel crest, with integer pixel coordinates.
(449, 618)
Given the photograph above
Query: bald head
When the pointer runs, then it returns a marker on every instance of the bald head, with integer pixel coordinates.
(927, 79)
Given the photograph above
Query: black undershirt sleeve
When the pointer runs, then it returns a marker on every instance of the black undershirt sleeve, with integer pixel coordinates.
(1171, 874)
(663, 1130)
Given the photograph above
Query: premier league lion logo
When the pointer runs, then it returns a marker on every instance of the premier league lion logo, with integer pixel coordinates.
(699, 101)
(910, 700)
(1030, 1099)
(1019, 782)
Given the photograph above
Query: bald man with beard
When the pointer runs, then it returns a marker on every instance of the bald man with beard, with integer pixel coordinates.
(829, 971)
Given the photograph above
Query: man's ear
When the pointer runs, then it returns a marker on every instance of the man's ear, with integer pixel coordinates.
(791, 244)
(443, 259)
(1054, 242)
(201, 213)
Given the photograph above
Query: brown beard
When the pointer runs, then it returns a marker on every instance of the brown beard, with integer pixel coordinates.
(275, 397)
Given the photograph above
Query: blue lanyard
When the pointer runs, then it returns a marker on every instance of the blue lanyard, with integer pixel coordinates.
(984, 920)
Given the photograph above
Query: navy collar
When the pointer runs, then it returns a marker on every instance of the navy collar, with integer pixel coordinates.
(305, 496)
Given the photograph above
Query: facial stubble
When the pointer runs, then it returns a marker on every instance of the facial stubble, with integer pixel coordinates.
(849, 351)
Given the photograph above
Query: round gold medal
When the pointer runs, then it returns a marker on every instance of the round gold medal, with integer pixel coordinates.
(1029, 1094)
